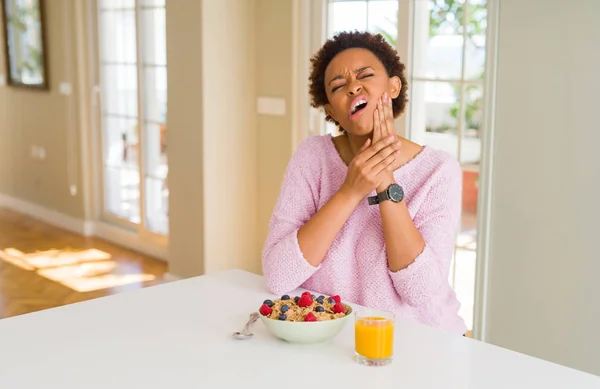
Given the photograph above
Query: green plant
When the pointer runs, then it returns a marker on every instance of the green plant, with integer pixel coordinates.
(386, 35)
(446, 17)
(471, 107)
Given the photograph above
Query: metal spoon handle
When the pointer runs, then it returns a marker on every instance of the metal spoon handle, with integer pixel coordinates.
(253, 318)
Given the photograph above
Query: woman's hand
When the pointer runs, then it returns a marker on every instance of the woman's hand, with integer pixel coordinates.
(383, 127)
(370, 166)
(383, 119)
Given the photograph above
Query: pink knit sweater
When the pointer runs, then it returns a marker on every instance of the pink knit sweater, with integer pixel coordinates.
(355, 267)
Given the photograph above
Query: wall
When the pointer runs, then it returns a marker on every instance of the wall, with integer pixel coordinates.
(226, 162)
(274, 79)
(185, 116)
(543, 296)
(43, 118)
(212, 136)
(230, 135)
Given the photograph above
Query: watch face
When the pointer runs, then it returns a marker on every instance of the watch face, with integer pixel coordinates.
(396, 193)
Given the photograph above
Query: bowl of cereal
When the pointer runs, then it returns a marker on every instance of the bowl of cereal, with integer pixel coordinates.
(305, 319)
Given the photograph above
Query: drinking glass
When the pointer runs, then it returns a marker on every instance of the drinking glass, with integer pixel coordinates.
(374, 337)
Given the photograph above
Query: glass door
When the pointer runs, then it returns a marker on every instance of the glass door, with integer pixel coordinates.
(133, 84)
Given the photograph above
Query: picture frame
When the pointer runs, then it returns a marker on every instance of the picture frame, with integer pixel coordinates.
(24, 43)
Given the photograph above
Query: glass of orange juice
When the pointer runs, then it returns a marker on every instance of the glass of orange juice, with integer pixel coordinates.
(374, 337)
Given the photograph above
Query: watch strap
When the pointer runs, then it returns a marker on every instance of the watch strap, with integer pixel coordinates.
(383, 196)
(380, 197)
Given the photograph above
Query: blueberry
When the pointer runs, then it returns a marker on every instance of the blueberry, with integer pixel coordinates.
(319, 309)
(320, 299)
(331, 301)
(268, 303)
(284, 308)
(296, 299)
(313, 296)
(283, 316)
(285, 297)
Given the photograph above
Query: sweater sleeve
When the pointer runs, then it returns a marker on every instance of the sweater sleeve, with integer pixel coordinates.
(437, 221)
(284, 265)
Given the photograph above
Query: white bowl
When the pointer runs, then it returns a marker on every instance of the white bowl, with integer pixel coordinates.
(307, 332)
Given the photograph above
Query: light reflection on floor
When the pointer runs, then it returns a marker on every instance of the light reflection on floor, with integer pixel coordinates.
(81, 271)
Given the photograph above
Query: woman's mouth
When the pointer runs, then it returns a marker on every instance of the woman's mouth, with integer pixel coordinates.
(357, 107)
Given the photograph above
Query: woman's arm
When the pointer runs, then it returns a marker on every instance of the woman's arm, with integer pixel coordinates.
(316, 236)
(419, 253)
(364, 173)
(299, 234)
(294, 251)
(283, 264)
(402, 239)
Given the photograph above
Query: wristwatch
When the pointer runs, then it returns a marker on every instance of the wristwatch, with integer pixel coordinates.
(394, 193)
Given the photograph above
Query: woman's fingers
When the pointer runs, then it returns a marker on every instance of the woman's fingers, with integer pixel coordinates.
(382, 154)
(385, 164)
(377, 133)
(388, 110)
(394, 165)
(383, 118)
(384, 129)
(375, 148)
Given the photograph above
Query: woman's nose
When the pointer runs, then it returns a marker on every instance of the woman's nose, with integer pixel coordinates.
(354, 89)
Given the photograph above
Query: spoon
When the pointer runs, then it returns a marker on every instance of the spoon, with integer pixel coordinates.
(245, 333)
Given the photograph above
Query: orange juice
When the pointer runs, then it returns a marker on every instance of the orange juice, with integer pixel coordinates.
(374, 337)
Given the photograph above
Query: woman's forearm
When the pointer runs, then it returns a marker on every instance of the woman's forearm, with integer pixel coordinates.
(316, 235)
(402, 239)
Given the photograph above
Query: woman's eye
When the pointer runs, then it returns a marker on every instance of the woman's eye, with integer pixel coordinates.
(343, 85)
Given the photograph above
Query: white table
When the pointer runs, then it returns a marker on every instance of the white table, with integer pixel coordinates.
(178, 335)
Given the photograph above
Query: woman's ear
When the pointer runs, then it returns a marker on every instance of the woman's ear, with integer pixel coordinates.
(394, 86)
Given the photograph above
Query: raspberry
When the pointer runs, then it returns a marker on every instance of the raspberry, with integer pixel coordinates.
(265, 310)
(338, 308)
(310, 317)
(305, 301)
(306, 294)
(337, 298)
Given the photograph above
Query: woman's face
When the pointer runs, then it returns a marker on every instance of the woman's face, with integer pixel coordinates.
(354, 80)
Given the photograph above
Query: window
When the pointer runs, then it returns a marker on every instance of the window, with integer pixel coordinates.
(445, 56)
(447, 76)
(133, 74)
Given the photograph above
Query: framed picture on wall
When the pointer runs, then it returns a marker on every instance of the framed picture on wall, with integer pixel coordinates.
(25, 43)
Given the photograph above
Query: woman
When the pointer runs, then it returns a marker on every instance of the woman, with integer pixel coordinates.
(367, 215)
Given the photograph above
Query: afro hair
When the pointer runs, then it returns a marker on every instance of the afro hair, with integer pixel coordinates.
(376, 44)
